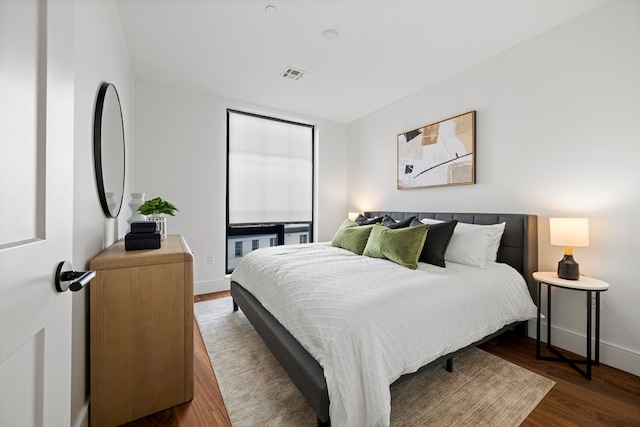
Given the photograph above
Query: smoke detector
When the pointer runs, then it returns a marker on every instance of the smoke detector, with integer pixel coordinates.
(292, 73)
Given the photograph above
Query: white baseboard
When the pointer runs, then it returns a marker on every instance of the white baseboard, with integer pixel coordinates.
(84, 420)
(611, 355)
(211, 286)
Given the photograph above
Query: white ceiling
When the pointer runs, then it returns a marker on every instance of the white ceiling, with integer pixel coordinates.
(385, 51)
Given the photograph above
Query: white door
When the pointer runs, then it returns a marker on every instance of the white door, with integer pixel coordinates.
(36, 210)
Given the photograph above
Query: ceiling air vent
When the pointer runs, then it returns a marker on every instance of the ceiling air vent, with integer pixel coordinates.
(292, 73)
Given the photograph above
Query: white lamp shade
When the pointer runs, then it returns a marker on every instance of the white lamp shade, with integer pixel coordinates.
(353, 215)
(569, 231)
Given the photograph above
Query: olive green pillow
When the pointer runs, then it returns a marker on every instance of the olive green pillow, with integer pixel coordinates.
(401, 245)
(352, 237)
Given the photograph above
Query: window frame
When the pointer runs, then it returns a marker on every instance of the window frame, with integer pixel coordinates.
(250, 228)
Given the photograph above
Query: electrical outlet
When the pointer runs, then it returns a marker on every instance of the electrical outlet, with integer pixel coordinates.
(210, 259)
(593, 302)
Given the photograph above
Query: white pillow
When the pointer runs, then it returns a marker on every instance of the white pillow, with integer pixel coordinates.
(468, 245)
(430, 221)
(494, 240)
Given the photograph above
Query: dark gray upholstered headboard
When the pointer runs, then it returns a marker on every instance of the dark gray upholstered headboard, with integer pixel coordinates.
(519, 244)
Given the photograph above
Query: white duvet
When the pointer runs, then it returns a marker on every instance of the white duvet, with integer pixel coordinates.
(367, 321)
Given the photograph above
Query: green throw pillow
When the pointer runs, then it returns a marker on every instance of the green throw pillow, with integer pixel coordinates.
(401, 245)
(352, 237)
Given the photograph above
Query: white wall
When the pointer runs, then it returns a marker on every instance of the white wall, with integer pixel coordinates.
(558, 134)
(181, 157)
(101, 55)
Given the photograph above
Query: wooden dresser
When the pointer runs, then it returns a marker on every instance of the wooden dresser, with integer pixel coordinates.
(141, 327)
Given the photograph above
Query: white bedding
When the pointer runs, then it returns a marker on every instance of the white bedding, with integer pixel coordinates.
(367, 321)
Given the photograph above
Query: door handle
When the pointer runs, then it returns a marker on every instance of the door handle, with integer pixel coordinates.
(69, 279)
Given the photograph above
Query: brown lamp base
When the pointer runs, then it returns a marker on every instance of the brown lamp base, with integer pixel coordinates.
(568, 268)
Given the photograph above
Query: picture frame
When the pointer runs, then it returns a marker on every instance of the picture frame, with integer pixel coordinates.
(438, 154)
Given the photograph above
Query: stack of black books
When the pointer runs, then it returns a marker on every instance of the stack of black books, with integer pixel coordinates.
(143, 235)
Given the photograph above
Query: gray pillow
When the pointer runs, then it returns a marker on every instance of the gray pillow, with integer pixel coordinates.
(363, 220)
(387, 221)
(438, 238)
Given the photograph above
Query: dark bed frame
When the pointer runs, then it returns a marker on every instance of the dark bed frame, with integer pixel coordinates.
(518, 248)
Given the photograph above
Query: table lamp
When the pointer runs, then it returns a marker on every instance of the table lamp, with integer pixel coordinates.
(569, 232)
(353, 215)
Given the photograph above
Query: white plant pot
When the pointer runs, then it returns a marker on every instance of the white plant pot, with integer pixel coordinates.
(161, 223)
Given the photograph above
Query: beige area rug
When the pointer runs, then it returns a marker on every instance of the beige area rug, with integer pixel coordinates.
(483, 390)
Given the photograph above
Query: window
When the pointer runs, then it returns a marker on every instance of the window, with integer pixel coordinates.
(269, 180)
(257, 237)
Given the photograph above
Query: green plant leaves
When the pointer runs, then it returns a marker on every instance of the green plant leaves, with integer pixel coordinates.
(157, 206)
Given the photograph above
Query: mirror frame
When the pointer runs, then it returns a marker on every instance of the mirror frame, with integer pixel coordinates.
(97, 150)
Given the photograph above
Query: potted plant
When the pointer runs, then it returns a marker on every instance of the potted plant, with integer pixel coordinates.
(157, 206)
(154, 209)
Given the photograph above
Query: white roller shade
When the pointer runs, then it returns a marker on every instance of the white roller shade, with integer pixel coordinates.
(270, 170)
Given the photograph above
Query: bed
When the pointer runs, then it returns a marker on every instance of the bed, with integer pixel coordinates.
(517, 249)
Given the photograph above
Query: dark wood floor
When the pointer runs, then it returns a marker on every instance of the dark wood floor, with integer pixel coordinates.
(611, 398)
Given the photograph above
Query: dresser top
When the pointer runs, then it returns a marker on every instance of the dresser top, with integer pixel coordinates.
(173, 249)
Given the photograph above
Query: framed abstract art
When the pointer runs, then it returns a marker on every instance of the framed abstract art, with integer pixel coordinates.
(438, 154)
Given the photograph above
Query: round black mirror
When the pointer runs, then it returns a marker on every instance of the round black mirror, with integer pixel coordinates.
(108, 150)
